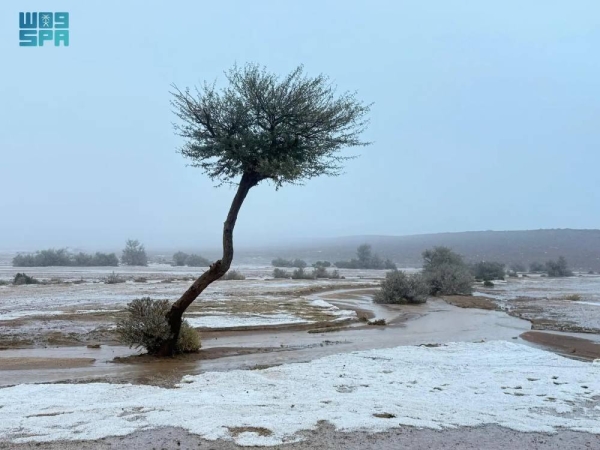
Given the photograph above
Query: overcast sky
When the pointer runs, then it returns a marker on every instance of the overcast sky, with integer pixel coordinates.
(486, 116)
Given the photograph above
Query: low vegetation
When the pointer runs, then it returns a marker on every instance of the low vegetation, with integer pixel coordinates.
(22, 278)
(62, 257)
(193, 260)
(233, 275)
(573, 297)
(446, 272)
(322, 264)
(402, 288)
(280, 273)
(146, 327)
(365, 259)
(558, 268)
(488, 270)
(488, 283)
(114, 278)
(280, 262)
(536, 267)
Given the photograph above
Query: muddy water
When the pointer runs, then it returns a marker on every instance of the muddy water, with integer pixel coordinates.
(433, 323)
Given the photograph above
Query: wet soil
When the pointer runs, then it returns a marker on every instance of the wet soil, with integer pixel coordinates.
(571, 346)
(44, 363)
(489, 437)
(471, 301)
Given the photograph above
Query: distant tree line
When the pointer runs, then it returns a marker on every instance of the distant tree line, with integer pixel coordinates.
(280, 262)
(365, 260)
(553, 268)
(134, 254)
(62, 257)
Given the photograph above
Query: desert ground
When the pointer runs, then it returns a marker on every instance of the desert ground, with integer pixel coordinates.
(300, 364)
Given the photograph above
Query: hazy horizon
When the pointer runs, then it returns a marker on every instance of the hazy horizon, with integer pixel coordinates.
(484, 117)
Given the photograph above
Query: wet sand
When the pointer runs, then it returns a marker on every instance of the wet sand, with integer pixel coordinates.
(567, 345)
(490, 437)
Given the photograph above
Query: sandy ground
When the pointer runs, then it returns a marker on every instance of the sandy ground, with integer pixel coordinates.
(489, 437)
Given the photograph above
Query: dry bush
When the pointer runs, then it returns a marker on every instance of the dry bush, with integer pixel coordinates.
(401, 288)
(233, 275)
(114, 278)
(146, 326)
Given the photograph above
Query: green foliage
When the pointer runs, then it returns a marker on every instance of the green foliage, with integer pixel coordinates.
(301, 274)
(193, 260)
(366, 260)
(488, 270)
(401, 288)
(146, 326)
(134, 254)
(280, 273)
(62, 257)
(573, 297)
(488, 283)
(558, 268)
(445, 272)
(22, 278)
(537, 266)
(233, 275)
(286, 129)
(322, 264)
(280, 262)
(518, 267)
(3, 283)
(197, 261)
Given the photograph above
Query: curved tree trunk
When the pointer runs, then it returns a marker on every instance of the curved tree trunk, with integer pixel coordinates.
(216, 270)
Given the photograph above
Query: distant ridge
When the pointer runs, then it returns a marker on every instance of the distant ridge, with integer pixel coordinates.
(580, 247)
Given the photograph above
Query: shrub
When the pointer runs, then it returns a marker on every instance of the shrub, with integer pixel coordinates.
(233, 275)
(518, 267)
(280, 273)
(322, 264)
(114, 278)
(320, 272)
(573, 297)
(140, 280)
(300, 274)
(401, 288)
(488, 283)
(197, 261)
(22, 278)
(366, 260)
(180, 258)
(3, 283)
(335, 275)
(488, 270)
(280, 262)
(134, 254)
(537, 266)
(445, 272)
(558, 268)
(146, 326)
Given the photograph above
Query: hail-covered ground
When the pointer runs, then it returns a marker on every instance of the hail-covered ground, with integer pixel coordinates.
(313, 358)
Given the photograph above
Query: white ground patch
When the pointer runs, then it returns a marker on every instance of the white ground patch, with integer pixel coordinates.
(461, 384)
(249, 320)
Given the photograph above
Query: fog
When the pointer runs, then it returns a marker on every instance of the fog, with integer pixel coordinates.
(484, 117)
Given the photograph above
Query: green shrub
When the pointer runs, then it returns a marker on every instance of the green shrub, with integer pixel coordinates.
(446, 273)
(3, 283)
(140, 280)
(488, 283)
(233, 275)
(146, 326)
(180, 258)
(22, 278)
(401, 288)
(280, 273)
(335, 274)
(301, 274)
(558, 268)
(573, 297)
(197, 261)
(280, 262)
(322, 264)
(488, 270)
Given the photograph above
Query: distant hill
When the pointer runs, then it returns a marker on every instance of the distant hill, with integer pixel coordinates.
(580, 247)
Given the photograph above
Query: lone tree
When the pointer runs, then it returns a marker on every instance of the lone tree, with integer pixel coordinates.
(134, 254)
(261, 127)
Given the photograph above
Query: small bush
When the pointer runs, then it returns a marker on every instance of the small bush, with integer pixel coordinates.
(301, 274)
(197, 261)
(401, 288)
(140, 280)
(22, 278)
(233, 275)
(320, 272)
(280, 262)
(3, 283)
(134, 254)
(573, 297)
(280, 273)
(335, 275)
(591, 272)
(446, 273)
(114, 278)
(537, 266)
(558, 268)
(488, 283)
(146, 327)
(322, 264)
(377, 322)
(488, 270)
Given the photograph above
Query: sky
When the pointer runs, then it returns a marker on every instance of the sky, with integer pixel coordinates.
(485, 117)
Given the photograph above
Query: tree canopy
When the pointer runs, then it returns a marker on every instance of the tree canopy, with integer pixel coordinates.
(286, 130)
